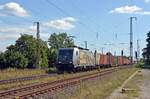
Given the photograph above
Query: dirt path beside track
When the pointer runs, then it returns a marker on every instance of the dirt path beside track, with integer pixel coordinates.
(145, 85)
(117, 94)
(144, 88)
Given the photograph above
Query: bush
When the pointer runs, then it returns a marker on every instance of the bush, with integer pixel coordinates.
(27, 47)
(2, 61)
(139, 65)
(15, 59)
(51, 70)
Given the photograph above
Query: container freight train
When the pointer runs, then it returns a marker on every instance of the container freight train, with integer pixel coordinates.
(74, 59)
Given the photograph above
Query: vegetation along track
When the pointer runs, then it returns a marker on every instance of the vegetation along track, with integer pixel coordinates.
(20, 79)
(27, 78)
(51, 87)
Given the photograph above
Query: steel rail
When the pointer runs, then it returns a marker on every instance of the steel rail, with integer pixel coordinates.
(21, 79)
(34, 90)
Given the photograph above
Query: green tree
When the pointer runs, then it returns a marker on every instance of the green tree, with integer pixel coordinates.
(146, 51)
(27, 46)
(61, 40)
(2, 61)
(15, 59)
(56, 41)
(44, 54)
(52, 56)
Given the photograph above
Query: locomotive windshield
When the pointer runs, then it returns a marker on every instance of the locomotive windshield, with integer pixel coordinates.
(65, 55)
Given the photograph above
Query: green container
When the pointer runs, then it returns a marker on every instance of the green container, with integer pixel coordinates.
(115, 60)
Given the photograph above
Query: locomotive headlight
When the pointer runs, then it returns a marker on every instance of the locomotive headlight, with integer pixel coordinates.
(59, 62)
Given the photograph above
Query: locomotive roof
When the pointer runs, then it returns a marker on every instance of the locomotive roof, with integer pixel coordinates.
(75, 47)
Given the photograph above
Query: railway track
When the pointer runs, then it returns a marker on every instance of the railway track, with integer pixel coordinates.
(21, 79)
(51, 87)
(27, 78)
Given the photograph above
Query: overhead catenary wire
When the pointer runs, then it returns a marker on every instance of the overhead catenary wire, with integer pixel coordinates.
(68, 14)
(86, 15)
(91, 20)
(26, 23)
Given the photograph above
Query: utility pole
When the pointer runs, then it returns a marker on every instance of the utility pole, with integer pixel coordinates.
(85, 44)
(38, 45)
(122, 55)
(131, 39)
(138, 50)
(114, 53)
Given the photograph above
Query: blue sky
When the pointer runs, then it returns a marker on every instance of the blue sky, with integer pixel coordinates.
(103, 23)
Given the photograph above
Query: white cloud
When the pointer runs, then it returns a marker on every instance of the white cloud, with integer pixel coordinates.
(13, 8)
(2, 14)
(126, 9)
(9, 33)
(147, 1)
(130, 10)
(44, 35)
(69, 19)
(2, 48)
(14, 30)
(4, 37)
(61, 24)
(143, 13)
(12, 33)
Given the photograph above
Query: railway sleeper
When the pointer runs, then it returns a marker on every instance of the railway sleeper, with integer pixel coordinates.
(77, 80)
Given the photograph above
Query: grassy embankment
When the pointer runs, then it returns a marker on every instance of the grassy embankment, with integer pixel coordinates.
(142, 65)
(13, 73)
(101, 88)
(133, 86)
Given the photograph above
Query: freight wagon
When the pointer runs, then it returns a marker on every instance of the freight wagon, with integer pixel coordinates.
(97, 58)
(120, 60)
(72, 59)
(115, 60)
(102, 59)
(110, 59)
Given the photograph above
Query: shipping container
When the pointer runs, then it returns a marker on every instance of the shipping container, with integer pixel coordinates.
(82, 58)
(97, 60)
(86, 58)
(127, 61)
(115, 60)
(106, 60)
(110, 59)
(120, 60)
(101, 61)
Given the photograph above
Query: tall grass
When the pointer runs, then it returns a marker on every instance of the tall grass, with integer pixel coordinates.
(13, 73)
(100, 88)
(133, 86)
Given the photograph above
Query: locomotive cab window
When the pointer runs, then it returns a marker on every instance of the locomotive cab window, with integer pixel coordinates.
(65, 55)
(76, 53)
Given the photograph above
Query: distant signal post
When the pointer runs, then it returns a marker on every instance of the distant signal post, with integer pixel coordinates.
(131, 38)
